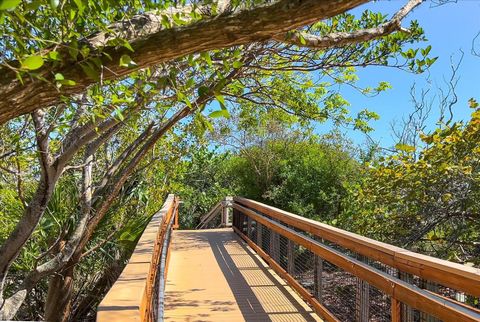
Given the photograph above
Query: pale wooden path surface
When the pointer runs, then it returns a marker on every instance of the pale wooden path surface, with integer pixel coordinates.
(214, 276)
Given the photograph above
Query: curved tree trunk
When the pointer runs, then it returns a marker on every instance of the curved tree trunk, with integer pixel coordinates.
(60, 289)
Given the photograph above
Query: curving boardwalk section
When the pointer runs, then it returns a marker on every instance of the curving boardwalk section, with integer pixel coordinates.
(214, 276)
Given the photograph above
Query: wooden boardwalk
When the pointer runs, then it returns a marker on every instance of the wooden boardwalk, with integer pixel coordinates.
(214, 276)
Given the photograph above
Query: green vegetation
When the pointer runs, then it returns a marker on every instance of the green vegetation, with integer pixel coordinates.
(427, 200)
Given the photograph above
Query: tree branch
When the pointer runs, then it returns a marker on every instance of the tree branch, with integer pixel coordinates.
(157, 45)
(340, 39)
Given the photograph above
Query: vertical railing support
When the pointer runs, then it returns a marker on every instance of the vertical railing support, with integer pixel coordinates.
(396, 311)
(318, 283)
(362, 300)
(175, 223)
(406, 311)
(290, 257)
(225, 216)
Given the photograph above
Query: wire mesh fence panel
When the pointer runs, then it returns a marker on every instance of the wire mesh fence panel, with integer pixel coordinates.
(303, 269)
(213, 223)
(338, 292)
(379, 305)
(265, 240)
(285, 253)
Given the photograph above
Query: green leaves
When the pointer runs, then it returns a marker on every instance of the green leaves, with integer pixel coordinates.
(426, 50)
(126, 61)
(219, 113)
(9, 4)
(32, 62)
(90, 70)
(221, 100)
(405, 147)
(472, 103)
(203, 91)
(54, 55)
(301, 38)
(80, 5)
(54, 3)
(237, 64)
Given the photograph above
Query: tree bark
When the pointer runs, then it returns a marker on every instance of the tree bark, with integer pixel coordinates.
(60, 289)
(246, 26)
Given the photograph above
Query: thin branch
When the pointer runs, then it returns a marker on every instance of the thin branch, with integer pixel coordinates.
(340, 39)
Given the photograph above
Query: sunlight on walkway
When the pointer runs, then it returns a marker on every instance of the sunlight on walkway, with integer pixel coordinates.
(214, 276)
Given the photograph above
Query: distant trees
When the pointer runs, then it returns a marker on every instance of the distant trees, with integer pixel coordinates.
(277, 158)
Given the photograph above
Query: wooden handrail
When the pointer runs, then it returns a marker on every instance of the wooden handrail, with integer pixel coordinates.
(130, 298)
(460, 277)
(394, 287)
(205, 218)
(221, 207)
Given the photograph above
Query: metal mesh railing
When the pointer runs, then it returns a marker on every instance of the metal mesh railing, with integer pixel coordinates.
(340, 293)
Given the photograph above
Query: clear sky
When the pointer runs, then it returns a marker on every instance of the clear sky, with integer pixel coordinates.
(449, 28)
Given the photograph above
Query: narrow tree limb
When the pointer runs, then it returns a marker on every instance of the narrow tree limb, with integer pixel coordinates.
(340, 39)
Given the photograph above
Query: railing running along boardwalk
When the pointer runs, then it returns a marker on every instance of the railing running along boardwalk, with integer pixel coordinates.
(138, 293)
(349, 277)
(342, 275)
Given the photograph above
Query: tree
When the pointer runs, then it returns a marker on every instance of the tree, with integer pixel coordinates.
(202, 181)
(426, 199)
(277, 158)
(37, 60)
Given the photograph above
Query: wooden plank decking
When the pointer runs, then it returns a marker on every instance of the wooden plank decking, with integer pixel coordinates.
(214, 276)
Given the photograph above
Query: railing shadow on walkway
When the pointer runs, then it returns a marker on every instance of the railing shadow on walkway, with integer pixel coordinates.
(251, 290)
(246, 298)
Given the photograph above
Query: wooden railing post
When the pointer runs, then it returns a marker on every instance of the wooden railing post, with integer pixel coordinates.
(396, 311)
(318, 282)
(290, 257)
(177, 204)
(223, 221)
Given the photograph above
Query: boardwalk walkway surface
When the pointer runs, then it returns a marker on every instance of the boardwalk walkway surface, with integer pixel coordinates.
(214, 276)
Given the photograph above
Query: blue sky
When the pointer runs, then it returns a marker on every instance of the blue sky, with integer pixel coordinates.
(449, 28)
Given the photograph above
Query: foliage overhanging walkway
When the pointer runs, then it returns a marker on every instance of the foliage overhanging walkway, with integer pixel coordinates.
(212, 275)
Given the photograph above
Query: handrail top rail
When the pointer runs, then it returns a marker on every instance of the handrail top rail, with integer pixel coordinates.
(377, 248)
